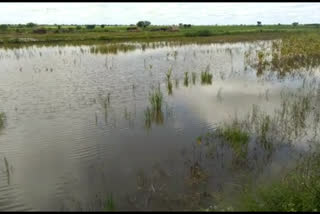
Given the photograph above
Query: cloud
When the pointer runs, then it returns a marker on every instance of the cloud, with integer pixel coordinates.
(159, 13)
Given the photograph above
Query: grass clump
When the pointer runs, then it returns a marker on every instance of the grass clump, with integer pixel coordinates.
(236, 137)
(206, 77)
(297, 192)
(154, 113)
(156, 99)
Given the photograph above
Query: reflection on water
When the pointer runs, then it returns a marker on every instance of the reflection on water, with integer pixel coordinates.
(77, 118)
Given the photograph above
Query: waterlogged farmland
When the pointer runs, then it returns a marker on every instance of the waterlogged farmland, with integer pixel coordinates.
(153, 126)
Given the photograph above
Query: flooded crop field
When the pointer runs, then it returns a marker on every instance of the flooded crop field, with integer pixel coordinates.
(151, 126)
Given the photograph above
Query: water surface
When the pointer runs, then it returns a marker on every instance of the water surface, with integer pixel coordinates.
(67, 147)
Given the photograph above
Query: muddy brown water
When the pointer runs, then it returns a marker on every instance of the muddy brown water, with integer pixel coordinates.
(64, 148)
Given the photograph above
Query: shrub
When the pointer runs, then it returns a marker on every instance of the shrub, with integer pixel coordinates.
(90, 27)
(30, 24)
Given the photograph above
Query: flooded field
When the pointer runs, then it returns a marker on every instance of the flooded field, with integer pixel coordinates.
(148, 126)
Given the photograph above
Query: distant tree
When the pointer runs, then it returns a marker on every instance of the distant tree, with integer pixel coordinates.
(78, 27)
(3, 27)
(30, 24)
(140, 24)
(147, 23)
(259, 23)
(295, 23)
(180, 24)
(102, 26)
(59, 27)
(143, 24)
(90, 26)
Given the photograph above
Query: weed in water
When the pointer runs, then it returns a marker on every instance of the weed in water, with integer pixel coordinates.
(186, 79)
(168, 74)
(154, 113)
(147, 118)
(169, 87)
(168, 80)
(2, 119)
(110, 206)
(235, 137)
(175, 54)
(108, 98)
(112, 49)
(206, 77)
(156, 99)
(177, 83)
(194, 76)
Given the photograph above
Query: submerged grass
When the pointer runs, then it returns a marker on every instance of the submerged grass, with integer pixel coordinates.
(186, 79)
(297, 189)
(169, 82)
(292, 53)
(110, 206)
(112, 48)
(169, 87)
(194, 76)
(2, 119)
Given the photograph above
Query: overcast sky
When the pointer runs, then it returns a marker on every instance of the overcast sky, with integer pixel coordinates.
(159, 13)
